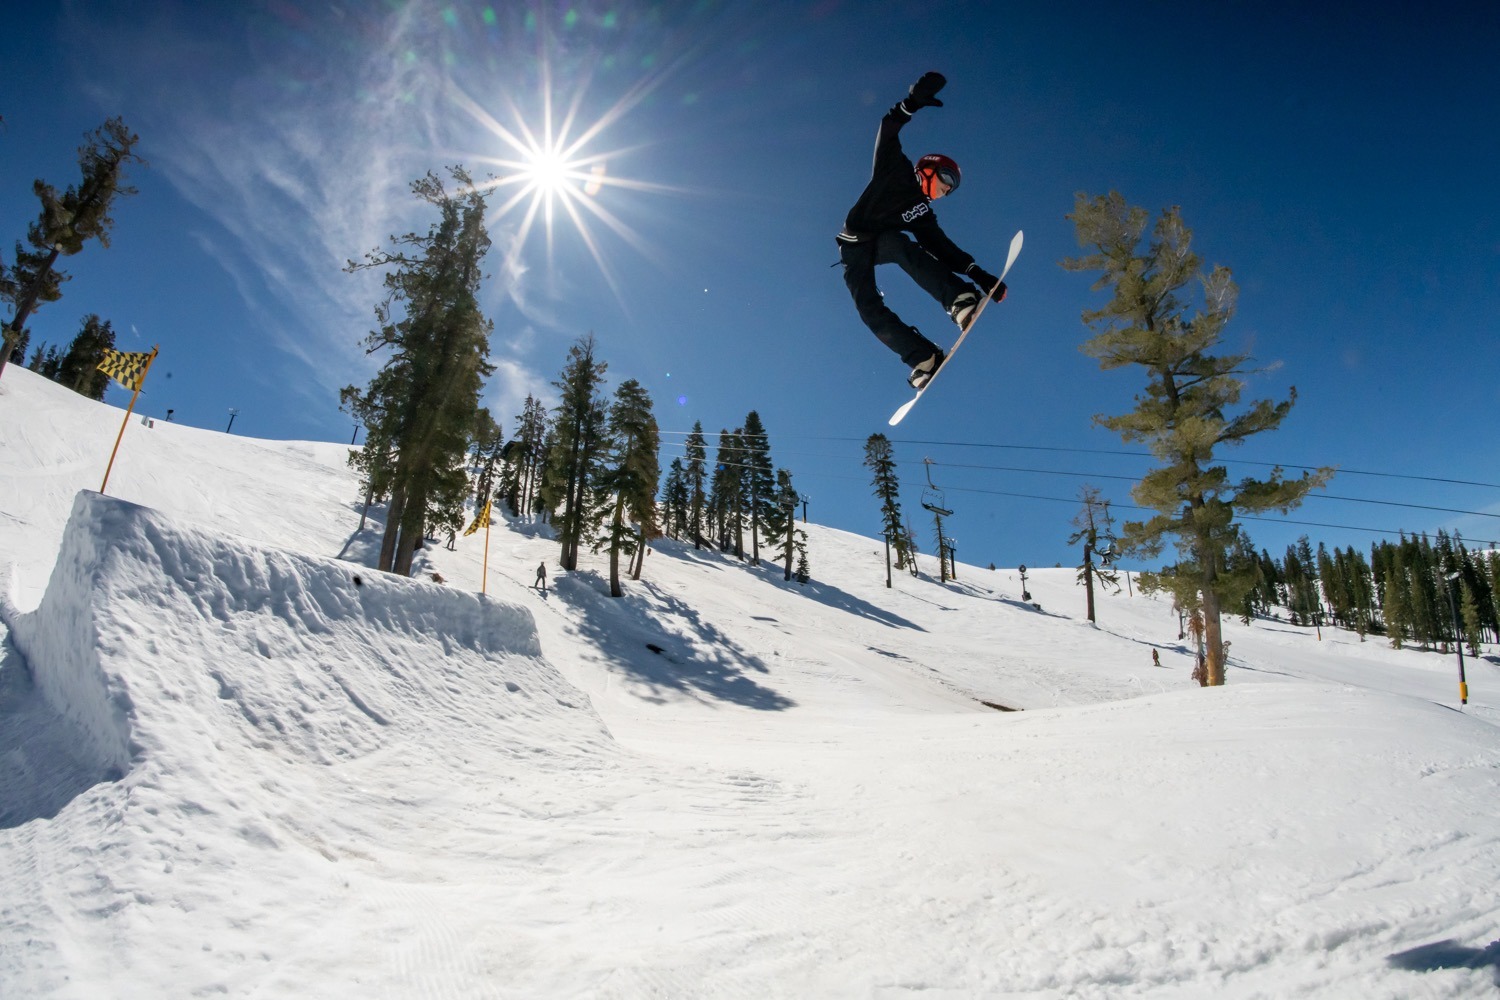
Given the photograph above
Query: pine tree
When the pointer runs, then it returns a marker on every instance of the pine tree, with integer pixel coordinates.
(66, 223)
(78, 368)
(487, 442)
(1300, 575)
(942, 543)
(1182, 413)
(674, 501)
(628, 481)
(1427, 625)
(374, 463)
(575, 460)
(759, 482)
(781, 529)
(727, 502)
(912, 549)
(422, 406)
(879, 458)
(46, 361)
(696, 476)
(1095, 527)
(1242, 558)
(1397, 617)
(1468, 613)
(1362, 585)
(524, 456)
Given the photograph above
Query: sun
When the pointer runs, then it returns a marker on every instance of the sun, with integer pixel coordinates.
(547, 171)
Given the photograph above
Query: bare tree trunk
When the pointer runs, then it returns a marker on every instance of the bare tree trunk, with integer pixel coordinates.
(413, 519)
(1213, 638)
(614, 548)
(1088, 576)
(392, 529)
(640, 553)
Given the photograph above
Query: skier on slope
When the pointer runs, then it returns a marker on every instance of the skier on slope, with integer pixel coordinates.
(898, 200)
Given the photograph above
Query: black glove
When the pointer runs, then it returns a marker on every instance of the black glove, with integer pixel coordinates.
(987, 281)
(923, 93)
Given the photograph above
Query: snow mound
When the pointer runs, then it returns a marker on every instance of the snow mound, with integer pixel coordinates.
(170, 645)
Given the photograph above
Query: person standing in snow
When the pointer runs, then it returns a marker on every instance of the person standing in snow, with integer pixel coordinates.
(541, 577)
(898, 200)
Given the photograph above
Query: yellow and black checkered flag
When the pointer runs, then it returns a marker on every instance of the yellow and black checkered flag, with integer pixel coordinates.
(126, 369)
(482, 521)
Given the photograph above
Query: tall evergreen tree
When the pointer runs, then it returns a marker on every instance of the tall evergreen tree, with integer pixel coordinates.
(78, 368)
(880, 460)
(783, 532)
(1182, 414)
(525, 455)
(629, 479)
(696, 477)
(46, 361)
(727, 503)
(374, 461)
(424, 403)
(66, 223)
(1397, 614)
(674, 501)
(759, 483)
(577, 454)
(942, 543)
(486, 444)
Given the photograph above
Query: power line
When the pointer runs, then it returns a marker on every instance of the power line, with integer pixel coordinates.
(1125, 506)
(1118, 453)
(1240, 516)
(1097, 476)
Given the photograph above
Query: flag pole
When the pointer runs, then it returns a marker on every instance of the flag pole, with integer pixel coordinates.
(484, 580)
(131, 409)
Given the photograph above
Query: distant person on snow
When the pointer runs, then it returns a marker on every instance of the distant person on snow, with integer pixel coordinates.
(898, 200)
(541, 577)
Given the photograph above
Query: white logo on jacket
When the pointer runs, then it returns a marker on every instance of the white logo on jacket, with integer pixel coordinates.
(915, 212)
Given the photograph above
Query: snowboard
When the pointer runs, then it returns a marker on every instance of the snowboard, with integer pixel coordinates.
(1015, 251)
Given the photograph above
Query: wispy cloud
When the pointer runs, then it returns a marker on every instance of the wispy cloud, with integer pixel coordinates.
(297, 136)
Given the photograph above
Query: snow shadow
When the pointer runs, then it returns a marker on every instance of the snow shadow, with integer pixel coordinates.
(41, 769)
(665, 644)
(1448, 954)
(772, 573)
(842, 600)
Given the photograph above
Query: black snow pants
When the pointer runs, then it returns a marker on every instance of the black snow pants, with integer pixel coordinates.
(895, 247)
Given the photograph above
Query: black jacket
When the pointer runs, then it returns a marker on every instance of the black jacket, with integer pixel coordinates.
(894, 200)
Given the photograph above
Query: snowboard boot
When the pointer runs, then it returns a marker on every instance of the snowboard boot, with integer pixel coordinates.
(962, 309)
(922, 373)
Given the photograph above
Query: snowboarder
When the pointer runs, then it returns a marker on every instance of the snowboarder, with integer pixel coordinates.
(541, 577)
(898, 200)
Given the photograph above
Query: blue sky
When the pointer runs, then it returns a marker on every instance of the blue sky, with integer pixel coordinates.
(1341, 164)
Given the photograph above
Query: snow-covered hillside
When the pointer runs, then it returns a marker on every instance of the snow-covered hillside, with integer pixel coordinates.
(234, 760)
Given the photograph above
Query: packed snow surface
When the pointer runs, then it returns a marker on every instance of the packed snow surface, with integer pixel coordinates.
(236, 761)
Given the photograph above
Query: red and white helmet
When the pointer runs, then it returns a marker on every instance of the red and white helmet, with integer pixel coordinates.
(936, 166)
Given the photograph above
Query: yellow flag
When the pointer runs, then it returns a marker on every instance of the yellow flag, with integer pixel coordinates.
(482, 521)
(126, 369)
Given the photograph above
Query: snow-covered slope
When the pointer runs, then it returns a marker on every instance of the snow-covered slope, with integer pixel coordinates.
(234, 763)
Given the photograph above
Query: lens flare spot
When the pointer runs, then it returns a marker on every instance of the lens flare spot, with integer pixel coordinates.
(595, 182)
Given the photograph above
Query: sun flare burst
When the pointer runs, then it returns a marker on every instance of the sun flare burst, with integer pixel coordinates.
(546, 171)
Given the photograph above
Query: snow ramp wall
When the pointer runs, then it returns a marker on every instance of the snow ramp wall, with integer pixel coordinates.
(157, 639)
